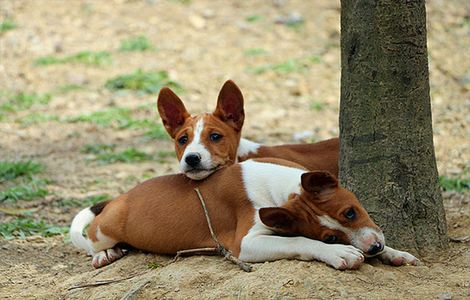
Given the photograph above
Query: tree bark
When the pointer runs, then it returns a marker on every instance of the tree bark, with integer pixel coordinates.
(387, 153)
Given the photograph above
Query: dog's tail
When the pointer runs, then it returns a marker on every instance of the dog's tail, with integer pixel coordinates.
(82, 220)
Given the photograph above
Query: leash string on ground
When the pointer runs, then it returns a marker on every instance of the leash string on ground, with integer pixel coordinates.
(219, 249)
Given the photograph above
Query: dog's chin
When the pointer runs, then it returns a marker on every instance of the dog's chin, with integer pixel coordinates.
(200, 174)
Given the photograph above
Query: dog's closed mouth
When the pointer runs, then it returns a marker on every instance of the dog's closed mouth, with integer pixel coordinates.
(199, 170)
(374, 255)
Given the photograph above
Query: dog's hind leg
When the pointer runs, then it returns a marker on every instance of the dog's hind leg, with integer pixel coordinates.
(105, 233)
(106, 257)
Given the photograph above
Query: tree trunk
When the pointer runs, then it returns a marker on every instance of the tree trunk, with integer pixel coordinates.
(387, 153)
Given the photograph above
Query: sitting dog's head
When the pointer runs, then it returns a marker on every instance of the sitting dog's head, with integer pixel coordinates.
(207, 142)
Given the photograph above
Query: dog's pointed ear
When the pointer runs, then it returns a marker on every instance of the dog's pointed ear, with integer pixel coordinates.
(230, 105)
(171, 110)
(278, 218)
(320, 183)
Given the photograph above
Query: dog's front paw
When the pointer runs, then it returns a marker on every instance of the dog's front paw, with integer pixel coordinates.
(343, 257)
(394, 257)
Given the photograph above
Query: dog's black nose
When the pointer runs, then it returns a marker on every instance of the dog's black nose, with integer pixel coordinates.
(193, 159)
(375, 248)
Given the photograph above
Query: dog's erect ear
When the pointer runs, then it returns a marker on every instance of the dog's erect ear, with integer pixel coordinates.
(320, 183)
(277, 218)
(230, 105)
(172, 111)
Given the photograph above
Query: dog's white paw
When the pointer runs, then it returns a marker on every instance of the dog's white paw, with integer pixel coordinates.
(394, 257)
(342, 257)
(105, 257)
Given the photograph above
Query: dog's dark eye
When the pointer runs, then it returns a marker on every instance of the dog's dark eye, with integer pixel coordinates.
(215, 137)
(183, 140)
(350, 214)
(331, 239)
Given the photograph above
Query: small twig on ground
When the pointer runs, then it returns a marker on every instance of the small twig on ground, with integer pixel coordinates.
(101, 282)
(197, 251)
(460, 239)
(132, 292)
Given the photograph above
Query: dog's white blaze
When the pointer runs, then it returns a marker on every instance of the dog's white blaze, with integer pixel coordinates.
(196, 146)
(246, 147)
(331, 223)
(269, 184)
(361, 238)
(365, 237)
(197, 133)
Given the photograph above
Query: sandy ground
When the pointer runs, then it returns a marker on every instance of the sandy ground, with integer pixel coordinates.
(201, 44)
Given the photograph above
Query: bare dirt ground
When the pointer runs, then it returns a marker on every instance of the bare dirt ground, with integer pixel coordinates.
(201, 44)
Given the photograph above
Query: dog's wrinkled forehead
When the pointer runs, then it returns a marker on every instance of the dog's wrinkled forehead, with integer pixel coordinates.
(194, 129)
(195, 134)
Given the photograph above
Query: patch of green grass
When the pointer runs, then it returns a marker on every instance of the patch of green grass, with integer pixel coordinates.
(316, 59)
(66, 88)
(35, 118)
(458, 184)
(154, 265)
(165, 154)
(317, 105)
(129, 155)
(156, 131)
(7, 25)
(13, 169)
(90, 58)
(296, 26)
(289, 66)
(466, 21)
(253, 18)
(106, 154)
(22, 101)
(184, 2)
(255, 52)
(88, 201)
(146, 82)
(85, 57)
(48, 60)
(137, 43)
(120, 117)
(98, 148)
(21, 228)
(27, 191)
(86, 8)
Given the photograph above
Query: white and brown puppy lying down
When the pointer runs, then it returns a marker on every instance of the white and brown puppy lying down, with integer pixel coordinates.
(248, 203)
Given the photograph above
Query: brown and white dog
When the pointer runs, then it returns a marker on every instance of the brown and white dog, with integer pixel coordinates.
(204, 143)
(248, 204)
(207, 142)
